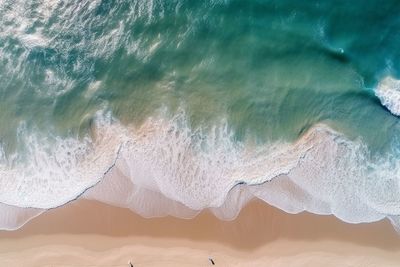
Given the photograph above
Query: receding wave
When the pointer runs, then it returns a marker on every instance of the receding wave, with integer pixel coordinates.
(164, 167)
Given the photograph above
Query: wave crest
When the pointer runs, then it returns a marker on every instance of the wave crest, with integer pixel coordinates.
(388, 92)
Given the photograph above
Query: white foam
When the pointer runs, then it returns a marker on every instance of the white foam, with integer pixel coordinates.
(388, 92)
(199, 167)
(33, 40)
(323, 172)
(54, 170)
(166, 168)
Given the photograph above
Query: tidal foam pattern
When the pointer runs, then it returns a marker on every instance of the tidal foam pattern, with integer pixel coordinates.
(165, 168)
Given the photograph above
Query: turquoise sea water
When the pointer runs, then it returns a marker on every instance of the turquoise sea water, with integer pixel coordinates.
(267, 71)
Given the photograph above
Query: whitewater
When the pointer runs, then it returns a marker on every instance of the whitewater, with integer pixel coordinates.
(164, 168)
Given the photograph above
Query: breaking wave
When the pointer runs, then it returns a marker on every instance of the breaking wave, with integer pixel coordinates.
(388, 91)
(164, 167)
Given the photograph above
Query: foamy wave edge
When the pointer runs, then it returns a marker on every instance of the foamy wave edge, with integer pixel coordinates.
(388, 92)
(165, 168)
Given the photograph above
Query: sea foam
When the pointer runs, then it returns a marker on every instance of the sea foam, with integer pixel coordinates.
(164, 167)
(51, 170)
(388, 91)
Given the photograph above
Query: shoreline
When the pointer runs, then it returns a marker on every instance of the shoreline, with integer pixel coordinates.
(84, 232)
(134, 177)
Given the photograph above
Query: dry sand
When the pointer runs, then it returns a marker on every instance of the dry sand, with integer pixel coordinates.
(88, 233)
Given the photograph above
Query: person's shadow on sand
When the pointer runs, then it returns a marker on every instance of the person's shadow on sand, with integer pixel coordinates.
(212, 261)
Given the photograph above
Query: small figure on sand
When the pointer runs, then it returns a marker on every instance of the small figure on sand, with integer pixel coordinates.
(212, 261)
(130, 264)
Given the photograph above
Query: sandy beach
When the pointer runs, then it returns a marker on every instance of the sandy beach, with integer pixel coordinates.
(88, 233)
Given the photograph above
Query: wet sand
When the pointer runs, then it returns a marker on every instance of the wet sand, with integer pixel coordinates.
(88, 233)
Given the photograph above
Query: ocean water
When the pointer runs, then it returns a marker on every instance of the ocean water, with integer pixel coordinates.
(172, 107)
